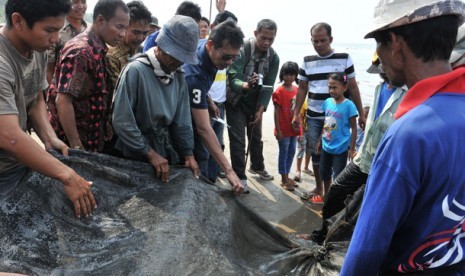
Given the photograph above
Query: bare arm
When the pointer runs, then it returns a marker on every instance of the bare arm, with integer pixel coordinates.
(279, 134)
(22, 147)
(353, 137)
(203, 127)
(42, 126)
(301, 94)
(65, 108)
(357, 99)
(220, 5)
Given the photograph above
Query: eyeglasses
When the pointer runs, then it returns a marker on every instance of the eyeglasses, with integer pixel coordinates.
(226, 57)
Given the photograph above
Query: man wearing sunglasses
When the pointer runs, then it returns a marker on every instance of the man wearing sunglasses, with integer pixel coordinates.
(216, 53)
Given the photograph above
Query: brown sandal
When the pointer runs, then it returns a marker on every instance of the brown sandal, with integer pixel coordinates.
(292, 183)
(287, 186)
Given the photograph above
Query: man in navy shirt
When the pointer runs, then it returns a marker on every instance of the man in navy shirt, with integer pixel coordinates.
(218, 52)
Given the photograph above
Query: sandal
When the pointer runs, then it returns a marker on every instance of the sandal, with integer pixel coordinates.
(292, 183)
(317, 199)
(310, 172)
(287, 186)
(307, 195)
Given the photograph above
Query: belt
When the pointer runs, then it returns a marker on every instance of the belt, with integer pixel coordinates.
(219, 104)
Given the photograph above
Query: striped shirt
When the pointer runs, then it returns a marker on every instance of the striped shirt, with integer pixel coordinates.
(315, 69)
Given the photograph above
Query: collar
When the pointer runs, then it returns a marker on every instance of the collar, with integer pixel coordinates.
(96, 43)
(451, 82)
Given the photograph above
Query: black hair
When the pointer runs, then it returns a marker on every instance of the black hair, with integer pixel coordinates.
(107, 8)
(289, 68)
(138, 12)
(227, 32)
(338, 76)
(35, 10)
(188, 8)
(322, 25)
(267, 24)
(223, 16)
(206, 20)
(429, 39)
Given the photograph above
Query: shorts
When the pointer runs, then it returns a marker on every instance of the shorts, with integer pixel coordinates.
(313, 134)
(302, 147)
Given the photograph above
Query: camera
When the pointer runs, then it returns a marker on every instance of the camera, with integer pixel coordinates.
(260, 80)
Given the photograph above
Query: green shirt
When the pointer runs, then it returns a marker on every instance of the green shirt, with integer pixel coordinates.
(375, 129)
(242, 68)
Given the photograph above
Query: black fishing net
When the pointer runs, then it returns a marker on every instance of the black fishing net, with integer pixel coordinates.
(145, 227)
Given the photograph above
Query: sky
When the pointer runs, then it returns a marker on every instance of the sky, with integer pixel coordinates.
(350, 20)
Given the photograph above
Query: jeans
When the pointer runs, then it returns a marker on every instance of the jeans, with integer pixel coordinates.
(313, 134)
(239, 122)
(286, 154)
(347, 183)
(332, 164)
(218, 128)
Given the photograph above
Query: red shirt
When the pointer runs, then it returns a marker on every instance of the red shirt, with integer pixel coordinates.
(286, 100)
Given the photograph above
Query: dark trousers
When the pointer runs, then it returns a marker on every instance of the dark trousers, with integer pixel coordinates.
(346, 183)
(239, 122)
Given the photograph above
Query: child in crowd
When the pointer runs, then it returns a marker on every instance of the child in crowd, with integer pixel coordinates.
(284, 99)
(338, 134)
(361, 132)
(302, 146)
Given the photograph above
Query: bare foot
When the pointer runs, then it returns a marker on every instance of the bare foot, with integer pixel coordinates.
(307, 237)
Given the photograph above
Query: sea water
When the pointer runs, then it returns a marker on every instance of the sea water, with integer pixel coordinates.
(361, 54)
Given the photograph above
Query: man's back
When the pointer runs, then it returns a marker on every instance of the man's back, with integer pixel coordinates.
(420, 161)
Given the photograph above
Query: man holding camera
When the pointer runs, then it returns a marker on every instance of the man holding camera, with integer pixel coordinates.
(251, 78)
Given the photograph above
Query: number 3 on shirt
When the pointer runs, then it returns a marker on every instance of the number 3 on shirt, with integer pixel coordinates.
(196, 96)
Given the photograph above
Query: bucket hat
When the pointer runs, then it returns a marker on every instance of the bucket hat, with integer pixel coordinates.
(459, 49)
(394, 13)
(179, 37)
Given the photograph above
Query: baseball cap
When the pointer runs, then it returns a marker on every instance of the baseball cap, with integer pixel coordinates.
(394, 13)
(154, 22)
(375, 67)
(179, 37)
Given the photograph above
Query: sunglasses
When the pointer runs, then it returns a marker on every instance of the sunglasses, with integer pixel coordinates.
(226, 57)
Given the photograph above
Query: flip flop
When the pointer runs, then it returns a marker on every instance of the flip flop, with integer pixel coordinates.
(287, 187)
(308, 195)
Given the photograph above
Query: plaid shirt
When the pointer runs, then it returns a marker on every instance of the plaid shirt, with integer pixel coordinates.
(81, 73)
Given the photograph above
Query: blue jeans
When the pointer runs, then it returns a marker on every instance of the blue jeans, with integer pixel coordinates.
(286, 154)
(332, 164)
(218, 128)
(313, 134)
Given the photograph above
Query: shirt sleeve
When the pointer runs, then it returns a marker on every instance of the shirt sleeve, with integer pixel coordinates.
(388, 197)
(7, 97)
(124, 121)
(269, 79)
(235, 73)
(182, 131)
(198, 90)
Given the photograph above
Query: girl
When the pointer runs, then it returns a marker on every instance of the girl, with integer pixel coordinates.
(339, 132)
(284, 99)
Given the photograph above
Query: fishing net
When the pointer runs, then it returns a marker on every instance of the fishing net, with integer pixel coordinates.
(145, 227)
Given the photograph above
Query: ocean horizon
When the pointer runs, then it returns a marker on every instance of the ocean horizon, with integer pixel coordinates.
(361, 54)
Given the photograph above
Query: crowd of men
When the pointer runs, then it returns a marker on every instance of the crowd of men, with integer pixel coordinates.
(86, 86)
